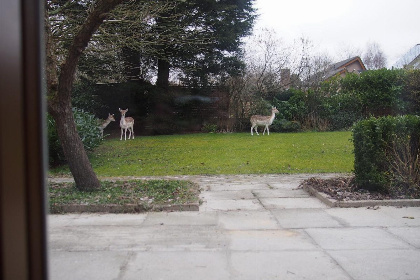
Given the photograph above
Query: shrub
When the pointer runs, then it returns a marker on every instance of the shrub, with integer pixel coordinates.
(209, 128)
(87, 128)
(379, 91)
(342, 110)
(386, 153)
(283, 125)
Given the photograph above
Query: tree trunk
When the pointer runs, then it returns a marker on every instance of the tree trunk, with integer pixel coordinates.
(77, 159)
(163, 74)
(131, 63)
(59, 93)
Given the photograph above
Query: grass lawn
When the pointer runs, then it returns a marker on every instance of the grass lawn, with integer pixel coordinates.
(232, 153)
(143, 193)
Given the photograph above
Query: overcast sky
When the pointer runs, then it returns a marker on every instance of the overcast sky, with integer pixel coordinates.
(334, 25)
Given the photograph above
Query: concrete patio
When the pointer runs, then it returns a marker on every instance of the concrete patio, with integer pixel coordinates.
(248, 227)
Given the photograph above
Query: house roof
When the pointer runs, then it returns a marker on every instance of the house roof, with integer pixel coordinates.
(340, 67)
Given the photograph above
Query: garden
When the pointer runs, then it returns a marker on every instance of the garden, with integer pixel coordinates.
(365, 124)
(378, 154)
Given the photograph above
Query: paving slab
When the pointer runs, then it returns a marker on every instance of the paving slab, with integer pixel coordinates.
(305, 218)
(98, 238)
(285, 185)
(379, 264)
(270, 240)
(181, 218)
(356, 239)
(221, 195)
(314, 265)
(237, 187)
(411, 235)
(364, 217)
(282, 193)
(166, 238)
(173, 265)
(97, 265)
(99, 219)
(242, 220)
(231, 205)
(291, 203)
(410, 216)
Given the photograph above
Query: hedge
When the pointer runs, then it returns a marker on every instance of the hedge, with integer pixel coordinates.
(387, 153)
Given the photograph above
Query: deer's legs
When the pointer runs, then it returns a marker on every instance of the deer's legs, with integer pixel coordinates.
(266, 128)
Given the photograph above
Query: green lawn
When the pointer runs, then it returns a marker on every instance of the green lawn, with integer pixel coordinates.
(235, 153)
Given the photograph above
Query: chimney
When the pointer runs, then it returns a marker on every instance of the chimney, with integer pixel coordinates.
(285, 78)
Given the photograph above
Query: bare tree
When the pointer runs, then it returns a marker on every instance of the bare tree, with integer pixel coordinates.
(346, 51)
(374, 57)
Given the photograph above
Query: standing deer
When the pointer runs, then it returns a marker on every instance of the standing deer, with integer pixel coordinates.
(258, 120)
(126, 123)
(106, 122)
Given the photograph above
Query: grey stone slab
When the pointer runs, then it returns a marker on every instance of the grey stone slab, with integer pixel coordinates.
(314, 265)
(218, 195)
(102, 265)
(61, 220)
(410, 235)
(379, 264)
(285, 185)
(276, 193)
(173, 265)
(288, 203)
(184, 238)
(240, 220)
(99, 219)
(238, 187)
(364, 217)
(407, 216)
(231, 205)
(181, 218)
(97, 238)
(304, 218)
(356, 239)
(270, 240)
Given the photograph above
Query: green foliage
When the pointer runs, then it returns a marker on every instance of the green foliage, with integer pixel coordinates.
(378, 149)
(340, 102)
(224, 153)
(342, 110)
(380, 91)
(411, 93)
(283, 125)
(84, 97)
(87, 128)
(209, 128)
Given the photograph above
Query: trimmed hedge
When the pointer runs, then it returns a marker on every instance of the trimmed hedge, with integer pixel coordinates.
(387, 153)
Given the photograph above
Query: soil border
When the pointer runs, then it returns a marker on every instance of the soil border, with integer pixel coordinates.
(360, 203)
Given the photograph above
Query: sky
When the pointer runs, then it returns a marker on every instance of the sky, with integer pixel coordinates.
(334, 26)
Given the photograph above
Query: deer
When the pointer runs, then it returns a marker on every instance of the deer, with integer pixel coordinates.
(258, 120)
(126, 123)
(106, 122)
